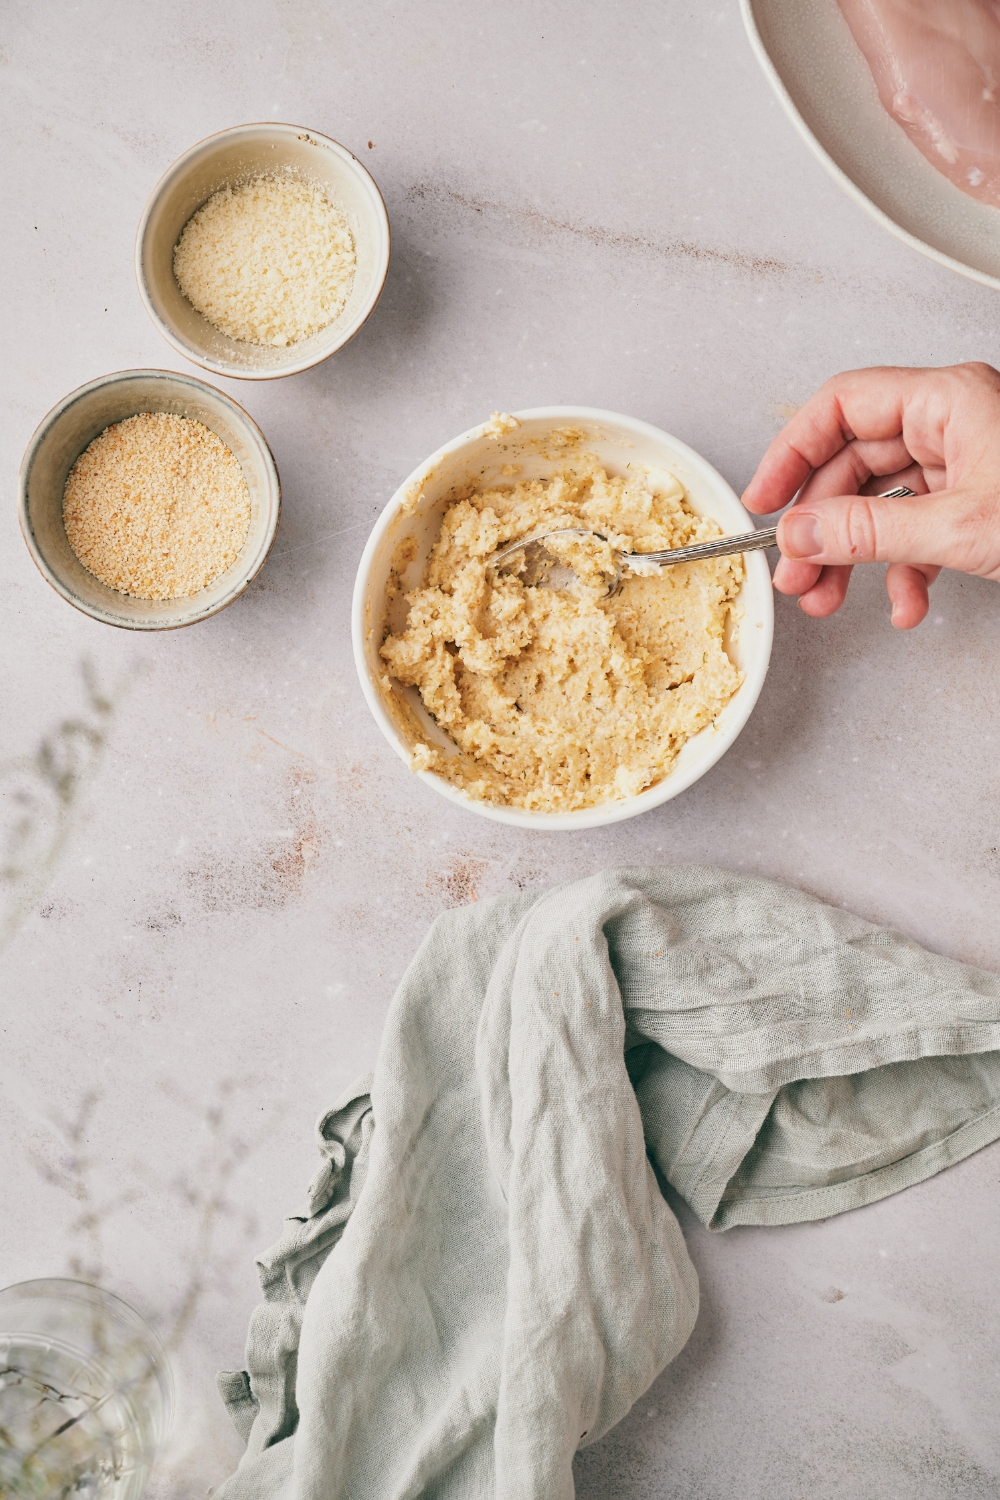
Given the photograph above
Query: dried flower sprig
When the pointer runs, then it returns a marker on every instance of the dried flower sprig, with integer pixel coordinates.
(39, 796)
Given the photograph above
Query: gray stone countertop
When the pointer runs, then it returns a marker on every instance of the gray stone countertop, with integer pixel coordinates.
(590, 204)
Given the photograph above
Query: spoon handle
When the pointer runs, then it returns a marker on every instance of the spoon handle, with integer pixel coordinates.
(750, 541)
(723, 546)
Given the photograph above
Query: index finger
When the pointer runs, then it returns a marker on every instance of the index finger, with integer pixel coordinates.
(858, 404)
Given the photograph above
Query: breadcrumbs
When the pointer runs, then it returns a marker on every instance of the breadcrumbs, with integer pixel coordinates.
(271, 262)
(156, 506)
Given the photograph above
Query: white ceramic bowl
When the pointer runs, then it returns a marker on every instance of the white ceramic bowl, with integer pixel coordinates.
(226, 160)
(416, 510)
(61, 437)
(823, 83)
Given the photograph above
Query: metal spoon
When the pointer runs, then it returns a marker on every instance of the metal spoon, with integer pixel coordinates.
(542, 569)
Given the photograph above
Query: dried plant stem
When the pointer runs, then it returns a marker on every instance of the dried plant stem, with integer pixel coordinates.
(42, 791)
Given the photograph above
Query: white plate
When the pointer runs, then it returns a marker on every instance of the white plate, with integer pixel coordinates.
(816, 68)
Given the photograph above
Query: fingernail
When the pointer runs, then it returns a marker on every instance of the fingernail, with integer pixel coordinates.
(801, 535)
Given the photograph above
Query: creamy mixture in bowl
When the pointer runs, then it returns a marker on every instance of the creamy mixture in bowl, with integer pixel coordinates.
(560, 700)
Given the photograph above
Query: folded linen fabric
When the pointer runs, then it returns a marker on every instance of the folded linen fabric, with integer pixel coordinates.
(486, 1275)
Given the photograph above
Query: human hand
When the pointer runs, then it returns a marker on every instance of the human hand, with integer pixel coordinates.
(936, 431)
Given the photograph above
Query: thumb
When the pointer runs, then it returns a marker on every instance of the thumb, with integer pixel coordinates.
(949, 529)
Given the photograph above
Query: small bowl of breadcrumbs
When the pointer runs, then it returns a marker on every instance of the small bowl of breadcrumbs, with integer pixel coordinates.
(262, 250)
(148, 499)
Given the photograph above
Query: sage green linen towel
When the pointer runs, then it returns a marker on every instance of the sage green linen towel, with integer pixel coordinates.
(486, 1275)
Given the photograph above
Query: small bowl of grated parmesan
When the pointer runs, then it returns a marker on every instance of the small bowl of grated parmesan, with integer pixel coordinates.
(148, 499)
(262, 251)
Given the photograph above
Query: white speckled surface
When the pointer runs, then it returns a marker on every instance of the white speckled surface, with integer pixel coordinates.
(588, 205)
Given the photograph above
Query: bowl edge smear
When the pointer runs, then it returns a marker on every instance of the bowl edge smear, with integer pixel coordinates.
(204, 147)
(738, 709)
(122, 378)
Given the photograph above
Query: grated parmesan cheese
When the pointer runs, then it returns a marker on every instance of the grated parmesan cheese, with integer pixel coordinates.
(271, 262)
(156, 506)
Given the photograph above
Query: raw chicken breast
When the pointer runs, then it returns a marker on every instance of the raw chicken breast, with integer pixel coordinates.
(936, 64)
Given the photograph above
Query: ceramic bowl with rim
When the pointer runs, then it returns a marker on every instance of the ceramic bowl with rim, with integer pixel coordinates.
(228, 159)
(414, 514)
(62, 436)
(825, 86)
